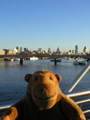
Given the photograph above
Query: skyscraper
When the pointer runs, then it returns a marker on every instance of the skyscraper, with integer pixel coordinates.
(21, 49)
(17, 48)
(85, 49)
(76, 49)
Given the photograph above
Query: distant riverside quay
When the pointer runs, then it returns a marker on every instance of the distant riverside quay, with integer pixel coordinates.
(22, 57)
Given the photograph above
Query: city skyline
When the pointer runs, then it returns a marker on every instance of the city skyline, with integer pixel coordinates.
(45, 24)
(75, 49)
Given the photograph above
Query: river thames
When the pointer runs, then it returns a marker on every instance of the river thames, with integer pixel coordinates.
(13, 85)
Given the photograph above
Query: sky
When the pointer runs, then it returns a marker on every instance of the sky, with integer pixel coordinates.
(45, 24)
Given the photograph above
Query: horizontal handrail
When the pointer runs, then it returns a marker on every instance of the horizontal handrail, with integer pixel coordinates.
(83, 101)
(73, 95)
(5, 105)
(86, 111)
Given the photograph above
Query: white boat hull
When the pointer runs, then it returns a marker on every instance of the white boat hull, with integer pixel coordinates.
(33, 58)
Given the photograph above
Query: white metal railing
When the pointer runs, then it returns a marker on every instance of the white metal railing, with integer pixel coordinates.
(73, 95)
(75, 82)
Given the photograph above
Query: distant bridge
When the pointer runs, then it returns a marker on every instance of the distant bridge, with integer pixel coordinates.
(41, 55)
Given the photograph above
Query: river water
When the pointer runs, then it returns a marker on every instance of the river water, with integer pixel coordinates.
(13, 85)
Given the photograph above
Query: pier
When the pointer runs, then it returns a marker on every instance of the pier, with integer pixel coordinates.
(21, 61)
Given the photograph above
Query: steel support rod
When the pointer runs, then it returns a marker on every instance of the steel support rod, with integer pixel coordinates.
(78, 78)
(83, 101)
(86, 111)
(74, 95)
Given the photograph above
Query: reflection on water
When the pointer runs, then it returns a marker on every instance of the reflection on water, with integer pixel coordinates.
(13, 85)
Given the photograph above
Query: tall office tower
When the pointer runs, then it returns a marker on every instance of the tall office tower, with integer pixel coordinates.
(40, 50)
(49, 50)
(73, 51)
(76, 49)
(26, 50)
(17, 48)
(85, 49)
(21, 49)
(58, 50)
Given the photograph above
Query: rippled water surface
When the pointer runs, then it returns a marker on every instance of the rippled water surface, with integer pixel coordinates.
(13, 85)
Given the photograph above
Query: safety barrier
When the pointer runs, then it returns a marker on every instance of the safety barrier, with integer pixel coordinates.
(73, 95)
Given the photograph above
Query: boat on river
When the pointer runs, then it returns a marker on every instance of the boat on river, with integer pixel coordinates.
(8, 59)
(82, 63)
(17, 59)
(76, 62)
(33, 58)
